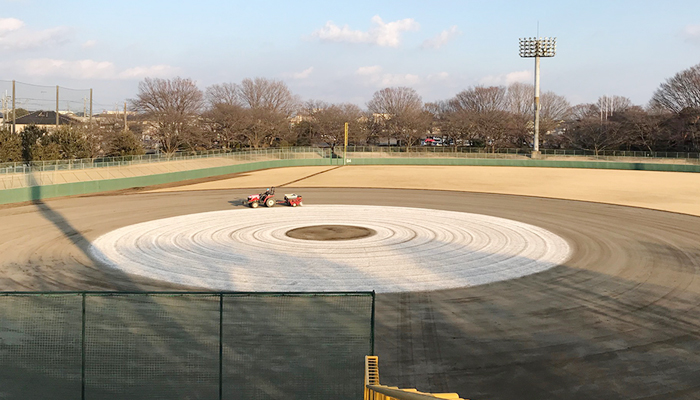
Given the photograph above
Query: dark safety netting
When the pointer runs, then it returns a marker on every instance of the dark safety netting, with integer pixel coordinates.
(184, 345)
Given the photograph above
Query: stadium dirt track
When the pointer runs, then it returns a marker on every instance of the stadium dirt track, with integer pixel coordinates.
(620, 320)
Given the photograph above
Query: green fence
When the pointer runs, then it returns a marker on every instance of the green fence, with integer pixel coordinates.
(108, 345)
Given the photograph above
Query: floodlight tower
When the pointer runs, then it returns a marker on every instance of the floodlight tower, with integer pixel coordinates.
(537, 47)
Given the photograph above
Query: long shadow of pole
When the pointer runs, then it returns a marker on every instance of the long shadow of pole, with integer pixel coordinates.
(137, 345)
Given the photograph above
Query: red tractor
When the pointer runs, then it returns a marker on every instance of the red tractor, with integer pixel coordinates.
(267, 198)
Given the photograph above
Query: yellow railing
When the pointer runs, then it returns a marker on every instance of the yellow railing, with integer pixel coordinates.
(375, 391)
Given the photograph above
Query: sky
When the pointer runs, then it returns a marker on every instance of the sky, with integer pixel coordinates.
(343, 51)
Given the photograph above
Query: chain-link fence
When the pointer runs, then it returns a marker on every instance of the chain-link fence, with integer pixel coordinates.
(29, 98)
(184, 345)
(352, 151)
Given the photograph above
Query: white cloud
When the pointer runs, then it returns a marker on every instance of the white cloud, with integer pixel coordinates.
(507, 79)
(374, 75)
(692, 33)
(89, 69)
(81, 69)
(89, 44)
(441, 39)
(15, 36)
(440, 76)
(399, 79)
(303, 74)
(373, 70)
(153, 71)
(9, 25)
(381, 34)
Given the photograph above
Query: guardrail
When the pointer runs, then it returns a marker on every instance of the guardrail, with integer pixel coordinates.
(375, 391)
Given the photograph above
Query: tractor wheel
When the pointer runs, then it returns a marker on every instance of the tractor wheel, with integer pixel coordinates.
(294, 204)
(254, 204)
(270, 202)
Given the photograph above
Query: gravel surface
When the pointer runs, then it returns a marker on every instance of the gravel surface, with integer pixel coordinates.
(618, 320)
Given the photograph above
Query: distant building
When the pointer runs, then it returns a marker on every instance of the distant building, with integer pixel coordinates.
(43, 119)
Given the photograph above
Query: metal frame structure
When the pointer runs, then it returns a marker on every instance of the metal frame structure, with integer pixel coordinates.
(537, 47)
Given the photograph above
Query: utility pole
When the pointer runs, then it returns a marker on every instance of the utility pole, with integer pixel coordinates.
(537, 47)
(14, 119)
(345, 148)
(4, 110)
(56, 106)
(126, 127)
(90, 106)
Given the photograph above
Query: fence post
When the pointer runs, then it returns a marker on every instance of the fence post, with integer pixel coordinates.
(221, 346)
(82, 354)
(371, 335)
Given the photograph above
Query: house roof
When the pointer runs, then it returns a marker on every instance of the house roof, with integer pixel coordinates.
(44, 118)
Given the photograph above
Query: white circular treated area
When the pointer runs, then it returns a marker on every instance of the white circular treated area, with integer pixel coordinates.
(413, 249)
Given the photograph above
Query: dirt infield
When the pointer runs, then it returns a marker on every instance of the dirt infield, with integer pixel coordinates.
(618, 321)
(668, 191)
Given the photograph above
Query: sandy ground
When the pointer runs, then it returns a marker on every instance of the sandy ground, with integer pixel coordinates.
(668, 191)
(256, 179)
(619, 320)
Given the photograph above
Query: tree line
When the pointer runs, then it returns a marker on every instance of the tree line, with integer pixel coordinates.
(176, 115)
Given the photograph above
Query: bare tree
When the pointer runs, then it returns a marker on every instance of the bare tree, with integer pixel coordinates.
(461, 125)
(171, 107)
(481, 99)
(263, 127)
(327, 122)
(395, 101)
(224, 93)
(684, 129)
(610, 105)
(254, 113)
(583, 111)
(397, 112)
(594, 134)
(225, 123)
(680, 92)
(520, 98)
(498, 129)
(439, 112)
(554, 107)
(271, 95)
(640, 129)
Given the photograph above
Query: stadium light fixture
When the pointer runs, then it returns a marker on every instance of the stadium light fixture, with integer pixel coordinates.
(536, 48)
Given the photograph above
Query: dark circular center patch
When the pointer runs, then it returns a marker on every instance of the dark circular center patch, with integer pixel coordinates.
(330, 232)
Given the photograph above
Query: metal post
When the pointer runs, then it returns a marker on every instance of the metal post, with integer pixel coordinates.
(536, 148)
(126, 127)
(371, 337)
(345, 148)
(56, 106)
(90, 106)
(537, 47)
(83, 356)
(14, 112)
(221, 346)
